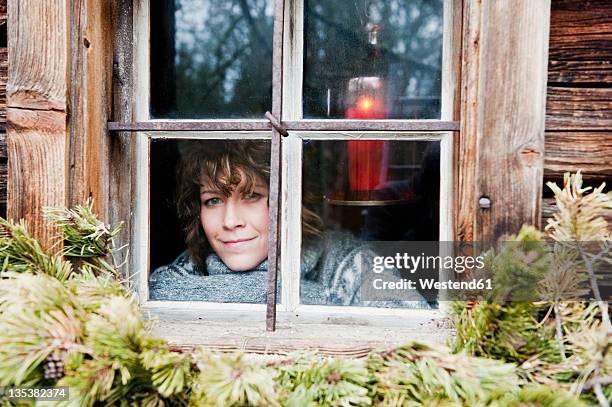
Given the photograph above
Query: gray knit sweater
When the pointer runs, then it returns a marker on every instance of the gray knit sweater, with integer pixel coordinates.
(330, 276)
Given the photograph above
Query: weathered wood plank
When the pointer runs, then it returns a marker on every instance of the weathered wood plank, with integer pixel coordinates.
(456, 35)
(121, 148)
(578, 109)
(465, 143)
(90, 95)
(37, 111)
(38, 67)
(3, 80)
(573, 151)
(347, 337)
(579, 17)
(503, 116)
(36, 149)
(3, 151)
(3, 176)
(580, 41)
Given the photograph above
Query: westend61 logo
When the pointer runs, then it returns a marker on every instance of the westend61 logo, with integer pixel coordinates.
(400, 273)
(407, 271)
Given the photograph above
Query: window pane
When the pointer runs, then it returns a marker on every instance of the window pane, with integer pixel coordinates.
(209, 220)
(211, 59)
(361, 191)
(372, 59)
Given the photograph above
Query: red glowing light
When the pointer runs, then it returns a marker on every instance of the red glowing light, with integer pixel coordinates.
(365, 103)
(367, 107)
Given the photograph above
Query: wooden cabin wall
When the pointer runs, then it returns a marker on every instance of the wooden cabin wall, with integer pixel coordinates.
(3, 78)
(579, 96)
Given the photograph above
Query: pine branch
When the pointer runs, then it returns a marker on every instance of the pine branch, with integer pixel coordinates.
(580, 219)
(603, 305)
(85, 237)
(22, 253)
(559, 330)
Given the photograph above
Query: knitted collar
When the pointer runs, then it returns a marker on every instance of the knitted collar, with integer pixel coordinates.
(310, 257)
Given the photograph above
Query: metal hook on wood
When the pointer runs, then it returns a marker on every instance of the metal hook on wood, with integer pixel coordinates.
(278, 126)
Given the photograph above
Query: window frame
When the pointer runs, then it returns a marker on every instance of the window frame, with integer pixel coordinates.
(288, 92)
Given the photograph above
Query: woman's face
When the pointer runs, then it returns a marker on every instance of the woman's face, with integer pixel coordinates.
(236, 226)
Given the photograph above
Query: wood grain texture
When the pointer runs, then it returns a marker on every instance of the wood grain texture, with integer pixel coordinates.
(3, 80)
(121, 148)
(37, 112)
(465, 144)
(590, 152)
(90, 97)
(339, 337)
(3, 176)
(37, 170)
(578, 109)
(457, 37)
(503, 117)
(580, 41)
(3, 151)
(457, 44)
(3, 63)
(38, 67)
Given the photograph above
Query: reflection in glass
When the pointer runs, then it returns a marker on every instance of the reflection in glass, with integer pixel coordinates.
(211, 59)
(209, 220)
(360, 191)
(372, 59)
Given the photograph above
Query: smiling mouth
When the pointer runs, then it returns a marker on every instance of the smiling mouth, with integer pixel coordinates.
(237, 242)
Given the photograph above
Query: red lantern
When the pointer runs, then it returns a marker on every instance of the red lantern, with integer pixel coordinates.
(367, 159)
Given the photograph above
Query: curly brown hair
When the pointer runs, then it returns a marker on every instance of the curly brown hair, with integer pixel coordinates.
(223, 165)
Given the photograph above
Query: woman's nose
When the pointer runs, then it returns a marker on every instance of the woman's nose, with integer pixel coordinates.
(232, 217)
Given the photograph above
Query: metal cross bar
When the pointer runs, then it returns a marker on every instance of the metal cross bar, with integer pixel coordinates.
(298, 125)
(192, 125)
(275, 163)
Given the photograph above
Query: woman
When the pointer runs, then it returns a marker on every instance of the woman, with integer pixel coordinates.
(222, 201)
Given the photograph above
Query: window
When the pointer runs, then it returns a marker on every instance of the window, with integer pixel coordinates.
(359, 146)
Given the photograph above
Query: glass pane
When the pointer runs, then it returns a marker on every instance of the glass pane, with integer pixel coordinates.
(211, 59)
(372, 59)
(209, 220)
(361, 191)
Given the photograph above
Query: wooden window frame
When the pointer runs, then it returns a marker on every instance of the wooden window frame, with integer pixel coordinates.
(288, 51)
(71, 99)
(287, 91)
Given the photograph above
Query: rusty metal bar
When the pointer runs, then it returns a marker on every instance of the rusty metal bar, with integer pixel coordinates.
(278, 126)
(191, 125)
(275, 166)
(371, 125)
(299, 125)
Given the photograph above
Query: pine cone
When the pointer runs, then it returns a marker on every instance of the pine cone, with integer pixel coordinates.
(53, 366)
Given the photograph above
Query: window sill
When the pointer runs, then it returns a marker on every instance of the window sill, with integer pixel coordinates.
(342, 334)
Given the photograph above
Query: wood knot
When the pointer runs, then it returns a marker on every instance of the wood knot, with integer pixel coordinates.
(530, 156)
(86, 42)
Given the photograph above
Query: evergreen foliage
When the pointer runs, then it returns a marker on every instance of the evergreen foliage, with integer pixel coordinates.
(571, 350)
(78, 326)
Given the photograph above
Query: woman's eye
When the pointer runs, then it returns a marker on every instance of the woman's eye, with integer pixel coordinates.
(253, 196)
(212, 201)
